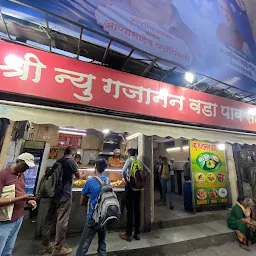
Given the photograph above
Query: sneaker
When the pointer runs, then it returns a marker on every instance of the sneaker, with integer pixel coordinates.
(125, 237)
(61, 252)
(136, 237)
(46, 249)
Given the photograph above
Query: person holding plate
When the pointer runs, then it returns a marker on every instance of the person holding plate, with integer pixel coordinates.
(242, 223)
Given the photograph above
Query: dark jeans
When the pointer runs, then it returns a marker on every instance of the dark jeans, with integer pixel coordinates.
(60, 209)
(88, 234)
(158, 184)
(132, 199)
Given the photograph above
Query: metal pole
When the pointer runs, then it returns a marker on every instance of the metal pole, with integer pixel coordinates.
(128, 58)
(48, 31)
(79, 42)
(149, 66)
(105, 53)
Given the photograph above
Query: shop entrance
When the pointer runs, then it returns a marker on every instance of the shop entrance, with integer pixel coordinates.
(172, 154)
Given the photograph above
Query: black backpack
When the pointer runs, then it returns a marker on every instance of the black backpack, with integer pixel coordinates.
(51, 184)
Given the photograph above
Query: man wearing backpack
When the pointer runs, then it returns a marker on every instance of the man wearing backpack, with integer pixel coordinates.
(132, 195)
(91, 192)
(60, 206)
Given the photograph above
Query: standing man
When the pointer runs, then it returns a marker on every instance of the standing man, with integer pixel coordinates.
(132, 199)
(166, 182)
(14, 175)
(157, 182)
(186, 169)
(91, 193)
(60, 207)
(171, 164)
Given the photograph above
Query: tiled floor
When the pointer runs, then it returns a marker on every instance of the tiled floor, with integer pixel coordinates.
(29, 247)
(164, 213)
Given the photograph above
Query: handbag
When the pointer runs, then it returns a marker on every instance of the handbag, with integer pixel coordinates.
(7, 211)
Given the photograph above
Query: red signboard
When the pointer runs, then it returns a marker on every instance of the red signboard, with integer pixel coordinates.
(66, 140)
(59, 78)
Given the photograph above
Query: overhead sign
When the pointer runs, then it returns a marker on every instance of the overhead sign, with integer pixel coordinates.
(211, 37)
(36, 73)
(66, 140)
(209, 172)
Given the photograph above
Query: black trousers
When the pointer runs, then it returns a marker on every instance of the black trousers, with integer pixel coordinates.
(132, 199)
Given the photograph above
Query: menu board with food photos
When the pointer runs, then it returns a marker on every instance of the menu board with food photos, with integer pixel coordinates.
(209, 171)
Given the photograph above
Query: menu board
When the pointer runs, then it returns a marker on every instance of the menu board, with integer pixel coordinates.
(210, 177)
(66, 140)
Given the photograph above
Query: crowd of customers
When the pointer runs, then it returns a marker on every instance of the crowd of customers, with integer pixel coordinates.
(61, 202)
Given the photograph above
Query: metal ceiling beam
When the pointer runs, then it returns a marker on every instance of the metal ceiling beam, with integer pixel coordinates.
(168, 73)
(105, 53)
(48, 30)
(145, 71)
(128, 58)
(79, 42)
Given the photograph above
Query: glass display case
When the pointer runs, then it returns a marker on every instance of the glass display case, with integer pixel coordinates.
(114, 175)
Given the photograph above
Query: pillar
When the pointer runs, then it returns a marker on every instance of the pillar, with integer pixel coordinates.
(145, 153)
(232, 174)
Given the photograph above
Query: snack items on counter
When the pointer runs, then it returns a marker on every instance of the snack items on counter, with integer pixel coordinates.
(119, 183)
(79, 183)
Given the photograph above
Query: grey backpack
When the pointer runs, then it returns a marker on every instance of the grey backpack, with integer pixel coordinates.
(107, 208)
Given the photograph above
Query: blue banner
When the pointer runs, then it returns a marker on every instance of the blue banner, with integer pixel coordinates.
(211, 37)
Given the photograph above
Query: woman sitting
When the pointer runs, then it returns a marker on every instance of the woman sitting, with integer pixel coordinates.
(241, 222)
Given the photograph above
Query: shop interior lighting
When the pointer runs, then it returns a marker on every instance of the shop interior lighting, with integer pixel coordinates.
(133, 136)
(72, 133)
(189, 77)
(71, 129)
(173, 149)
(185, 147)
(221, 146)
(13, 61)
(106, 131)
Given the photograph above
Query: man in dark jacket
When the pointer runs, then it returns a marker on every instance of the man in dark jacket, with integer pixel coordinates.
(60, 207)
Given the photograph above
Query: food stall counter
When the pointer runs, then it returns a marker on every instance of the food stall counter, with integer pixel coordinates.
(78, 213)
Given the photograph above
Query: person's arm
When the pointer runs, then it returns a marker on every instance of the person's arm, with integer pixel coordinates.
(84, 194)
(74, 169)
(84, 200)
(110, 164)
(126, 168)
(33, 204)
(8, 201)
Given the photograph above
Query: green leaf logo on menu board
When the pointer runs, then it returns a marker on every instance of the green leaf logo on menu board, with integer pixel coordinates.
(208, 162)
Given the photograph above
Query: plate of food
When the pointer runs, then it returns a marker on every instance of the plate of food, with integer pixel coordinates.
(213, 193)
(208, 162)
(200, 177)
(221, 177)
(211, 177)
(201, 194)
(223, 192)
